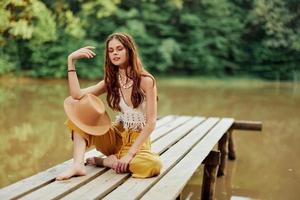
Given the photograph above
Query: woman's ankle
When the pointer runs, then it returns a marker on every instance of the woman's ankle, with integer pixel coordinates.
(78, 164)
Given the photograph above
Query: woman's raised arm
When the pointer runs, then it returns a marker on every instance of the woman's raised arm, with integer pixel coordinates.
(75, 91)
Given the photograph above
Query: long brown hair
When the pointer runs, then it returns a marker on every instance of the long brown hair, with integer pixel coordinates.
(135, 73)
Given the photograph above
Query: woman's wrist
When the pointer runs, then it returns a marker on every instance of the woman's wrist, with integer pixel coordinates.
(71, 63)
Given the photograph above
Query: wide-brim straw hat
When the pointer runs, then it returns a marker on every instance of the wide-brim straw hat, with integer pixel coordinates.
(88, 114)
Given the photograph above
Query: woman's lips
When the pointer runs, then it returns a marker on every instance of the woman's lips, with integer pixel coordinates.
(116, 58)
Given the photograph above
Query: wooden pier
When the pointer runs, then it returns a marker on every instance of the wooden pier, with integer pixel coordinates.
(183, 142)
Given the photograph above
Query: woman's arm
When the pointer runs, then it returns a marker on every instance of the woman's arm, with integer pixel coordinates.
(74, 86)
(149, 87)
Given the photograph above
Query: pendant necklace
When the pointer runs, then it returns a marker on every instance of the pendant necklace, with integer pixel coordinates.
(127, 84)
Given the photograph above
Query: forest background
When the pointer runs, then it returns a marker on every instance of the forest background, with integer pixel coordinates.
(217, 38)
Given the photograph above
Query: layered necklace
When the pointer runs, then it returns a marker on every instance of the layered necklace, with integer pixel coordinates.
(125, 83)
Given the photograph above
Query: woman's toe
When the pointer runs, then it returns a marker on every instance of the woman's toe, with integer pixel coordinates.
(90, 161)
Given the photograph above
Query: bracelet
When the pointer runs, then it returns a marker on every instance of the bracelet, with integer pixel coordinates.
(71, 70)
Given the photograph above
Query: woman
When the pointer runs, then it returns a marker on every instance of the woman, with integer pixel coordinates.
(131, 90)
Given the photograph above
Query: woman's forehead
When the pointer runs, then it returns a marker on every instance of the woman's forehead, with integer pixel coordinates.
(114, 43)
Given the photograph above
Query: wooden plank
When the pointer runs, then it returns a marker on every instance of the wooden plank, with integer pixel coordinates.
(161, 131)
(111, 180)
(134, 188)
(171, 185)
(164, 120)
(43, 178)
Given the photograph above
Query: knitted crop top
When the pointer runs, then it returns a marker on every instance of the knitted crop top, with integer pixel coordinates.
(132, 118)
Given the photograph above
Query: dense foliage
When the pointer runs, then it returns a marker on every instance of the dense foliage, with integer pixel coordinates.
(182, 37)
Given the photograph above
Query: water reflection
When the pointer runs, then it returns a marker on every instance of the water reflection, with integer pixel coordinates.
(33, 137)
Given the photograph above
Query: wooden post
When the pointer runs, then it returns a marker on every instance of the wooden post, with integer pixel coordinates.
(211, 163)
(222, 146)
(179, 197)
(231, 147)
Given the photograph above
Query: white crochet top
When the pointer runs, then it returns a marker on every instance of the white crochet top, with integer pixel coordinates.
(132, 118)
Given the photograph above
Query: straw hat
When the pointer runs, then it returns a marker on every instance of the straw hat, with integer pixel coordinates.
(88, 114)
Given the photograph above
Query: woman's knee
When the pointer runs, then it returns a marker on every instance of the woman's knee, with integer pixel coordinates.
(155, 165)
(147, 167)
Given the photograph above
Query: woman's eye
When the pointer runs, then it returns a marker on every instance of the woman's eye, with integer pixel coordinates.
(120, 48)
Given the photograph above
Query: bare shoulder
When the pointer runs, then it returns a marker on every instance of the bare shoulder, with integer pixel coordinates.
(147, 81)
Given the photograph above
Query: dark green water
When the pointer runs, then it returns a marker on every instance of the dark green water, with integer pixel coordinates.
(34, 138)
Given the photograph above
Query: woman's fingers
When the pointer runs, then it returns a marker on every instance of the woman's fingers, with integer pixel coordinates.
(89, 52)
(124, 168)
(89, 47)
(117, 167)
(121, 167)
(85, 54)
(92, 52)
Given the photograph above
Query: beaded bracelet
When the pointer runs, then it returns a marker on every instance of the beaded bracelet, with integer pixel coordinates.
(71, 70)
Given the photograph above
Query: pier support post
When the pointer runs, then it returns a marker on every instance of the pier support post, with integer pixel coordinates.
(211, 163)
(231, 146)
(222, 146)
(179, 197)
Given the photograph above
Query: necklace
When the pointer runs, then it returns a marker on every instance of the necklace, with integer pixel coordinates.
(127, 84)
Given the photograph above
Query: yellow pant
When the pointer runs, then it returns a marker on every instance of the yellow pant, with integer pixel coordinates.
(117, 141)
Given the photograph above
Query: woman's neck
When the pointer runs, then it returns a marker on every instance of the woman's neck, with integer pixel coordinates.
(122, 71)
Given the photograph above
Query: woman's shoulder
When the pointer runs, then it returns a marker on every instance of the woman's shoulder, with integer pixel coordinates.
(147, 80)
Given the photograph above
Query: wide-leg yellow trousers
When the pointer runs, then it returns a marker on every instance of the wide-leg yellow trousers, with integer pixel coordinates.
(117, 141)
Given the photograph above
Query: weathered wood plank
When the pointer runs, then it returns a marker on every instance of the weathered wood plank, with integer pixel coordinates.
(170, 186)
(164, 120)
(134, 188)
(161, 131)
(43, 178)
(109, 180)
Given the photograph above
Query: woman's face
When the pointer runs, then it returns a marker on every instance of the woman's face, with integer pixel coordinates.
(117, 52)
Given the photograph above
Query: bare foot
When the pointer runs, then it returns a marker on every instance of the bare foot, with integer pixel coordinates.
(98, 161)
(75, 170)
(109, 161)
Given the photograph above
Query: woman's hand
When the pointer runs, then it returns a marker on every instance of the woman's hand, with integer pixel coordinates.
(84, 52)
(123, 164)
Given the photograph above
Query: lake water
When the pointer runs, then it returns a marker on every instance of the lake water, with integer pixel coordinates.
(34, 138)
